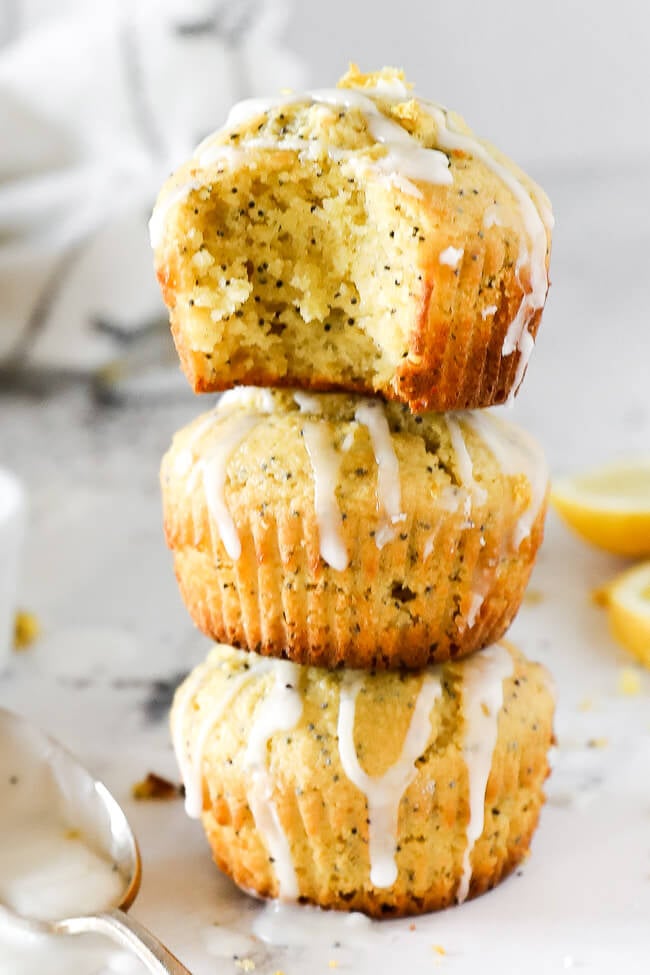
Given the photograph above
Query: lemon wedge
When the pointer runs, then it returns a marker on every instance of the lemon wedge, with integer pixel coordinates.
(609, 506)
(627, 599)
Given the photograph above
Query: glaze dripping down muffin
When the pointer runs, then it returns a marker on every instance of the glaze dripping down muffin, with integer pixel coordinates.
(358, 238)
(361, 275)
(388, 793)
(338, 530)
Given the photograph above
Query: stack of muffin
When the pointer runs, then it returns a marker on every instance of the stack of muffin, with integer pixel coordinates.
(345, 262)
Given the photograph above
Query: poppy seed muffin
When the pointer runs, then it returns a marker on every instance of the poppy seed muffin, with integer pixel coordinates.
(359, 239)
(388, 793)
(336, 530)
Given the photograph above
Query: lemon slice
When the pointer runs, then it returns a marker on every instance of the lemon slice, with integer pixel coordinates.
(609, 506)
(627, 599)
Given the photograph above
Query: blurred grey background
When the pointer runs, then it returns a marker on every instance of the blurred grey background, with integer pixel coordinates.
(552, 81)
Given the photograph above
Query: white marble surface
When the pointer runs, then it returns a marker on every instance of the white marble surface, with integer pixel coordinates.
(116, 639)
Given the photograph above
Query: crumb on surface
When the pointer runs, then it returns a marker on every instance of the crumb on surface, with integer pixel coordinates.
(533, 597)
(600, 596)
(245, 964)
(439, 950)
(586, 704)
(156, 787)
(26, 629)
(598, 743)
(629, 682)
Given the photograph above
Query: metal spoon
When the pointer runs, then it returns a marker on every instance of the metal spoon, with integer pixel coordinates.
(86, 805)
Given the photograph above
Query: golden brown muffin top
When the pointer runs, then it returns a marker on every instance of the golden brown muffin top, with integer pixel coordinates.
(324, 447)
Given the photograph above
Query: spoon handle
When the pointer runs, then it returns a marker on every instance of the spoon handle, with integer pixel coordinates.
(128, 933)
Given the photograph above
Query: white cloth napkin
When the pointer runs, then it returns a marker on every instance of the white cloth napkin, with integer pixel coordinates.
(98, 103)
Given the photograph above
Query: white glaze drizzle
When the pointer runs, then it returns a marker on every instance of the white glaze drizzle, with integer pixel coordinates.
(449, 500)
(464, 461)
(249, 109)
(384, 794)
(185, 459)
(430, 543)
(256, 398)
(389, 491)
(193, 479)
(516, 453)
(406, 159)
(184, 462)
(483, 677)
(535, 222)
(193, 774)
(231, 426)
(325, 462)
(525, 345)
(164, 205)
(211, 153)
(451, 256)
(348, 442)
(492, 217)
(544, 209)
(182, 704)
(488, 310)
(394, 90)
(405, 156)
(281, 711)
(474, 608)
(307, 403)
(483, 580)
(233, 429)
